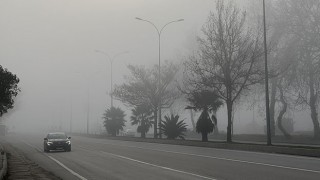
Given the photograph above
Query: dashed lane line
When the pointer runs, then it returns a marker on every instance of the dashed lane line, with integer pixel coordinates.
(225, 159)
(150, 164)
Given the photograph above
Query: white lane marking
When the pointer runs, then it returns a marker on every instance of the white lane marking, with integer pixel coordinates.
(225, 159)
(154, 165)
(58, 162)
(142, 162)
(230, 150)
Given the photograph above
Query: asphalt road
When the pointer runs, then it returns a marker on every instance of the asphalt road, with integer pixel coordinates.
(92, 159)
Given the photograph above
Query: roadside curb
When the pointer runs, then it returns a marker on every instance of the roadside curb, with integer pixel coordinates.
(308, 151)
(3, 170)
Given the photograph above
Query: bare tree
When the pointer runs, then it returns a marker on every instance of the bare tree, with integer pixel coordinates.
(229, 57)
(302, 22)
(283, 48)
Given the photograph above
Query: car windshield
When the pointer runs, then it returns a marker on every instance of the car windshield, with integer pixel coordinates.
(57, 136)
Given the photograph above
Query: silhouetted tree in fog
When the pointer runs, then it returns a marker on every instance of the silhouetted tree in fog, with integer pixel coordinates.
(142, 116)
(142, 88)
(206, 102)
(228, 61)
(173, 128)
(204, 125)
(301, 19)
(8, 90)
(114, 120)
(281, 62)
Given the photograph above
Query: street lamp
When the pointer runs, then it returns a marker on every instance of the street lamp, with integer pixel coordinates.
(70, 126)
(111, 62)
(159, 38)
(266, 75)
(87, 76)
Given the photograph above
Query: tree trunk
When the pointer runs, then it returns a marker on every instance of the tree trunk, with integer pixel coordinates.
(280, 116)
(316, 128)
(272, 106)
(143, 134)
(313, 107)
(215, 122)
(155, 127)
(229, 128)
(114, 133)
(159, 125)
(314, 116)
(204, 136)
(143, 131)
(192, 121)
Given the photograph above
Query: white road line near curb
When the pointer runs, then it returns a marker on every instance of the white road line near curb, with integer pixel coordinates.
(68, 169)
(58, 162)
(154, 165)
(226, 159)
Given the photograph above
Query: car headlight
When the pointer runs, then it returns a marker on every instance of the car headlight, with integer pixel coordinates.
(49, 143)
(68, 142)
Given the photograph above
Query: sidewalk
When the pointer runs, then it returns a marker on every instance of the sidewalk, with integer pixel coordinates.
(21, 168)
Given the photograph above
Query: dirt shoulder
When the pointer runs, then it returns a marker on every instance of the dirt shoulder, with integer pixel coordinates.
(20, 167)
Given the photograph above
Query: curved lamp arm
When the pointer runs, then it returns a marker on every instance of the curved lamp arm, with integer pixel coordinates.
(159, 32)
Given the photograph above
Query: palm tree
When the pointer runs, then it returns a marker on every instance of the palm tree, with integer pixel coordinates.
(207, 102)
(114, 120)
(204, 125)
(142, 116)
(173, 128)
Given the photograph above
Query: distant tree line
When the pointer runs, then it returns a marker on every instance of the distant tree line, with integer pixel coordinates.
(226, 67)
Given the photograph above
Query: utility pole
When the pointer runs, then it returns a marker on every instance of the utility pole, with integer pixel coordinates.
(266, 76)
(71, 114)
(88, 106)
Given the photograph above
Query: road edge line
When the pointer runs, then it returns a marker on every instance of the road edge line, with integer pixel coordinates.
(58, 162)
(68, 169)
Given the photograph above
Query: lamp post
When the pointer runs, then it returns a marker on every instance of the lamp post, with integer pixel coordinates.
(159, 73)
(87, 76)
(266, 75)
(70, 126)
(111, 63)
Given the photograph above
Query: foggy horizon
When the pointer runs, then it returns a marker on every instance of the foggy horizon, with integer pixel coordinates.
(51, 46)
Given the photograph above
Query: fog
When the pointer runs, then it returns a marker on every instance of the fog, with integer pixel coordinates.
(51, 46)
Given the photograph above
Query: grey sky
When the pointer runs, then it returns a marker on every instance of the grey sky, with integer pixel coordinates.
(50, 45)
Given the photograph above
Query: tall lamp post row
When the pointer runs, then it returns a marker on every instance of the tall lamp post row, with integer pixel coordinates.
(159, 73)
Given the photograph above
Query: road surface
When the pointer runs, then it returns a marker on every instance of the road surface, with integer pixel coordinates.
(93, 158)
